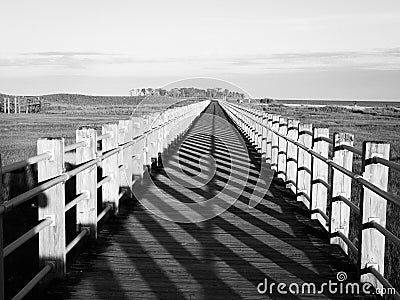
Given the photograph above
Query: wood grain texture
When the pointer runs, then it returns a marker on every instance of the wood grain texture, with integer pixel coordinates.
(320, 170)
(110, 189)
(275, 143)
(52, 239)
(291, 161)
(282, 148)
(373, 208)
(341, 186)
(86, 181)
(304, 161)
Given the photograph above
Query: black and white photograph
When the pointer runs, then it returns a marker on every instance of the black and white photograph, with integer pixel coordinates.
(199, 150)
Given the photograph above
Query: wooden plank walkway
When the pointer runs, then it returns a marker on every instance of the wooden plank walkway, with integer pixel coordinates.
(140, 255)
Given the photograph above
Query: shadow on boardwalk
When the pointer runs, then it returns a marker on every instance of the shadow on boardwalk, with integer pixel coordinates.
(139, 255)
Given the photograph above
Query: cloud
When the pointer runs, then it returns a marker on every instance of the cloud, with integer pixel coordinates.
(376, 59)
(379, 59)
(83, 59)
(64, 53)
(68, 59)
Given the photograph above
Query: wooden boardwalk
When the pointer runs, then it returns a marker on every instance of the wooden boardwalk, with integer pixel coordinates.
(140, 255)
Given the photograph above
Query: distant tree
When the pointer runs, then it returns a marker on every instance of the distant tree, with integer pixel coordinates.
(226, 93)
(174, 92)
(218, 92)
(183, 92)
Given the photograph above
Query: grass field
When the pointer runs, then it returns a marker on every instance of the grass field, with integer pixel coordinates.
(19, 132)
(374, 124)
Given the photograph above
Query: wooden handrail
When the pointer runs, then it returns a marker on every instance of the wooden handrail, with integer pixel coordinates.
(29, 161)
(75, 146)
(346, 240)
(74, 202)
(373, 191)
(34, 281)
(26, 237)
(128, 143)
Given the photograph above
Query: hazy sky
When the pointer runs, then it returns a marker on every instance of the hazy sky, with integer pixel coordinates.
(283, 48)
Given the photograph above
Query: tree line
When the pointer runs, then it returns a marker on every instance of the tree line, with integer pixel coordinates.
(192, 92)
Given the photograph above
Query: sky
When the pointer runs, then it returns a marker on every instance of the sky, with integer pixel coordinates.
(309, 49)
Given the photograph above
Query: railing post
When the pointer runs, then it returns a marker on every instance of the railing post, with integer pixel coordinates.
(125, 156)
(319, 179)
(138, 150)
(153, 141)
(269, 140)
(373, 209)
(304, 165)
(341, 186)
(275, 143)
(160, 137)
(128, 156)
(163, 135)
(252, 128)
(52, 239)
(282, 145)
(246, 125)
(259, 130)
(255, 126)
(264, 134)
(110, 189)
(150, 143)
(1, 237)
(243, 123)
(86, 181)
(168, 116)
(146, 126)
(171, 131)
(247, 128)
(291, 160)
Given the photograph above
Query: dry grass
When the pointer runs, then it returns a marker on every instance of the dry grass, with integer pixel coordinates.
(19, 132)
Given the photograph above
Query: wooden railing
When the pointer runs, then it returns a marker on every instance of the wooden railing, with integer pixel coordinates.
(126, 148)
(299, 154)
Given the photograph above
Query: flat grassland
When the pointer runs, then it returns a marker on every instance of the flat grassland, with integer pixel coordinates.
(367, 124)
(19, 132)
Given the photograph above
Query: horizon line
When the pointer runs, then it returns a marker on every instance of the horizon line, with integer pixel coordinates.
(264, 97)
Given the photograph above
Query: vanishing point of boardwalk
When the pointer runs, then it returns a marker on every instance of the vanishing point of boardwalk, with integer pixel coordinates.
(139, 255)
